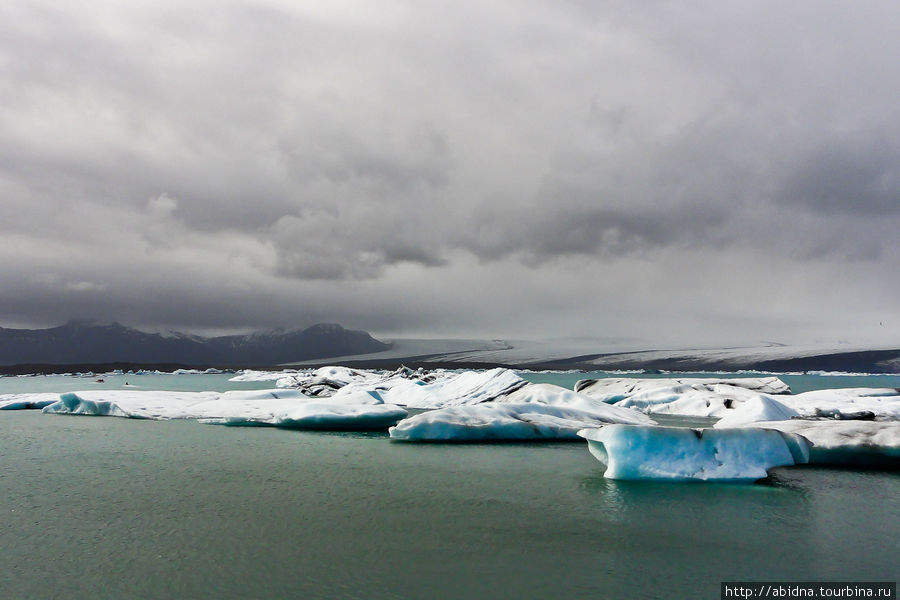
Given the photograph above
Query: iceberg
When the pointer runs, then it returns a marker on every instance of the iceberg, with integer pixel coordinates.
(27, 401)
(756, 410)
(531, 412)
(457, 389)
(882, 403)
(696, 400)
(494, 421)
(614, 389)
(857, 443)
(676, 453)
(251, 375)
(279, 408)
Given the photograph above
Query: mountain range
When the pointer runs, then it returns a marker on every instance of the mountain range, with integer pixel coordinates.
(88, 343)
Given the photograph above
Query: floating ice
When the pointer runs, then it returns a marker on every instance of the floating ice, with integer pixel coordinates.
(251, 375)
(616, 389)
(27, 401)
(883, 403)
(457, 389)
(861, 443)
(697, 400)
(283, 408)
(532, 412)
(675, 453)
(495, 421)
(759, 409)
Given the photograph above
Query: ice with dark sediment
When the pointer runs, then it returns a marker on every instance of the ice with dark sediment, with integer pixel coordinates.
(454, 389)
(530, 412)
(614, 389)
(681, 396)
(846, 442)
(882, 403)
(682, 454)
(847, 436)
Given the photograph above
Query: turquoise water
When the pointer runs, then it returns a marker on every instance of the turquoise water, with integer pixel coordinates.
(220, 383)
(120, 508)
(185, 383)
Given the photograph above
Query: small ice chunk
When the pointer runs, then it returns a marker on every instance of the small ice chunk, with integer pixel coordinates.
(676, 453)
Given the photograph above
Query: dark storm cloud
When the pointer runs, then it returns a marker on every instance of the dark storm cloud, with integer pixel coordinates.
(848, 176)
(449, 168)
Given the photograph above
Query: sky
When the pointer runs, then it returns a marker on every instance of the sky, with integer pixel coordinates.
(678, 173)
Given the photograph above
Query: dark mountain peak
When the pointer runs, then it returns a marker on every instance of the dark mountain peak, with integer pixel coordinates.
(89, 342)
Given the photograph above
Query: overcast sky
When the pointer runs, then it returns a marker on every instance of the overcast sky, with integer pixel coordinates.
(681, 173)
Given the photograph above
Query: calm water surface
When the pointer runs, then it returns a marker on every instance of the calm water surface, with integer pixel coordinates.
(119, 508)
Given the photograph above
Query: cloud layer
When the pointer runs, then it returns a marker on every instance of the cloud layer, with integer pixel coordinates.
(715, 172)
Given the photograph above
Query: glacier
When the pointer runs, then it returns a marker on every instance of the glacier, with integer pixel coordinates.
(682, 454)
(531, 412)
(278, 407)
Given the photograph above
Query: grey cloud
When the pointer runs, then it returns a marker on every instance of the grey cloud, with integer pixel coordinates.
(443, 167)
(847, 177)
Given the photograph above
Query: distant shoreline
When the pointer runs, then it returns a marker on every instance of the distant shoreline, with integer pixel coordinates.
(862, 361)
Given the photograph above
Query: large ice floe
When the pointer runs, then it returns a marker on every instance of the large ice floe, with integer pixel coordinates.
(845, 435)
(613, 389)
(27, 401)
(529, 412)
(279, 408)
(677, 453)
(689, 397)
(853, 403)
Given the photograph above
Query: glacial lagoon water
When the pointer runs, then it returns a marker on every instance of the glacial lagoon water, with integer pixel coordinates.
(120, 508)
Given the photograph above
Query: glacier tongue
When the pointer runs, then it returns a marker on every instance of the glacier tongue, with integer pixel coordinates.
(674, 453)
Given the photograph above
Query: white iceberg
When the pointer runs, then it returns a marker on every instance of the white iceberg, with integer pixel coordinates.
(676, 453)
(882, 403)
(254, 376)
(532, 412)
(325, 381)
(759, 409)
(455, 389)
(696, 400)
(280, 408)
(495, 421)
(27, 401)
(614, 389)
(858, 443)
(836, 440)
